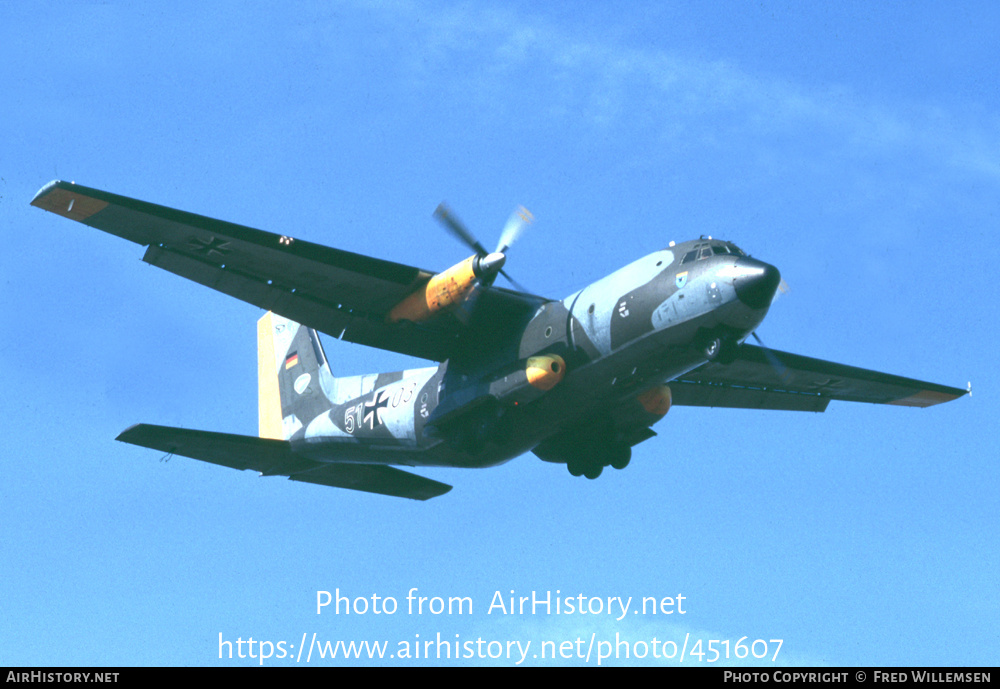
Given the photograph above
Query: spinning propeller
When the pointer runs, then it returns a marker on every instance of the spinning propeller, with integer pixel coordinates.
(457, 289)
(489, 264)
(772, 358)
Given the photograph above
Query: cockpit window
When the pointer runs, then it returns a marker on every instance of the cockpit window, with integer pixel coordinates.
(706, 250)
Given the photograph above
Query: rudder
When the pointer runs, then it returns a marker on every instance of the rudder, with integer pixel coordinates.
(291, 366)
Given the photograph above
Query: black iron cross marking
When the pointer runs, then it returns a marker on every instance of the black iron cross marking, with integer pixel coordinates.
(373, 409)
(212, 247)
(828, 386)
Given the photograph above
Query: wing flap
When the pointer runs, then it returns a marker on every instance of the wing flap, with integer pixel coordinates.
(769, 379)
(696, 394)
(338, 320)
(276, 458)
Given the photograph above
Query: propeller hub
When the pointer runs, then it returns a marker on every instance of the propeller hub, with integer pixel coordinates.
(489, 265)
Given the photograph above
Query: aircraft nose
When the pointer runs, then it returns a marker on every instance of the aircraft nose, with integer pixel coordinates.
(756, 283)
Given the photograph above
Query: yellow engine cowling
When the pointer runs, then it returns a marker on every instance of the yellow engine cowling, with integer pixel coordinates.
(445, 289)
(656, 400)
(531, 379)
(544, 372)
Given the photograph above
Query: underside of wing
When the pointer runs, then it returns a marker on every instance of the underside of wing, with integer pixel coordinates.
(768, 379)
(342, 294)
(276, 458)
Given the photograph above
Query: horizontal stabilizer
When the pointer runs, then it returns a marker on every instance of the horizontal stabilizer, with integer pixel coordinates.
(276, 458)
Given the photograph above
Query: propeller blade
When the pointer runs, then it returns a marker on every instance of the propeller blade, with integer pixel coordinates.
(464, 311)
(516, 224)
(783, 288)
(772, 359)
(517, 285)
(448, 219)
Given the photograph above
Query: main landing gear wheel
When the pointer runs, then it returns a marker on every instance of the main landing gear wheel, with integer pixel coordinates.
(620, 456)
(617, 456)
(585, 467)
(581, 467)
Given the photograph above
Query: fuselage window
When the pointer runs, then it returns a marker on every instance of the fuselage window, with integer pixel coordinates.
(689, 256)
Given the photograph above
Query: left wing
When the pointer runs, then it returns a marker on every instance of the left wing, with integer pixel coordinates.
(786, 381)
(343, 294)
(276, 458)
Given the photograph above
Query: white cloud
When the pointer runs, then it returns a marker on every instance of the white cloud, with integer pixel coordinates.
(501, 60)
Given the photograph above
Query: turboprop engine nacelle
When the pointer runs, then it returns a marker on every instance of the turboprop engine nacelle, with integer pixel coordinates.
(531, 379)
(656, 401)
(536, 376)
(631, 421)
(448, 288)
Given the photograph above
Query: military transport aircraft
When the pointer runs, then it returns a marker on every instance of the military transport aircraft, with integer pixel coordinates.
(578, 381)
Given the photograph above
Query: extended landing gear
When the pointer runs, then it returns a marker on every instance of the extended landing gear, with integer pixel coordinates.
(587, 449)
(711, 347)
(620, 456)
(591, 464)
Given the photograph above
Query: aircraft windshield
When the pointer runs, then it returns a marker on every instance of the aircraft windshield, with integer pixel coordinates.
(708, 249)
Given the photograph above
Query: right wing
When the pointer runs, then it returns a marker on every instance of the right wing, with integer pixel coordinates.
(276, 458)
(342, 294)
(767, 379)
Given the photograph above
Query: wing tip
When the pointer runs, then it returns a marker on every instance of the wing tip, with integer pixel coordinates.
(68, 200)
(129, 433)
(928, 398)
(45, 190)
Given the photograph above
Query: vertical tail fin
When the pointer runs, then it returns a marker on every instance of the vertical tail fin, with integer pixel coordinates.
(268, 397)
(292, 372)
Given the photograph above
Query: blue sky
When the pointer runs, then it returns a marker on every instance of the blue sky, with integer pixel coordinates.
(856, 147)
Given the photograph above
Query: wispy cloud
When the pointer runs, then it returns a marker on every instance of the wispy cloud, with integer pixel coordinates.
(503, 61)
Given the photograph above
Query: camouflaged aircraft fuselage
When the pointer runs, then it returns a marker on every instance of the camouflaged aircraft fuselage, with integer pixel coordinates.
(642, 326)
